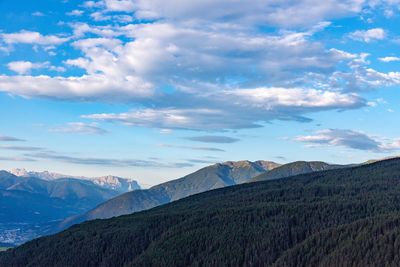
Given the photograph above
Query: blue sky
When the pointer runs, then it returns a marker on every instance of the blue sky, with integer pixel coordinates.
(155, 89)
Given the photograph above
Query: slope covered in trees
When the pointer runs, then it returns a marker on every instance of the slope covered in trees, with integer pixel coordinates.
(342, 217)
(295, 168)
(208, 178)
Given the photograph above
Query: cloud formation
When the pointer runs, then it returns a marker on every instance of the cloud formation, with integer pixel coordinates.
(211, 149)
(10, 139)
(350, 139)
(369, 35)
(389, 59)
(22, 159)
(213, 139)
(80, 128)
(301, 13)
(30, 37)
(111, 162)
(203, 65)
(24, 67)
(234, 109)
(21, 148)
(87, 87)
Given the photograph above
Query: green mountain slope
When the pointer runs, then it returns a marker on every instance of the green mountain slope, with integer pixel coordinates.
(208, 178)
(295, 168)
(367, 242)
(305, 220)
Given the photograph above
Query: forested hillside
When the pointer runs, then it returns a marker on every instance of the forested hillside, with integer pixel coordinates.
(295, 168)
(208, 178)
(342, 217)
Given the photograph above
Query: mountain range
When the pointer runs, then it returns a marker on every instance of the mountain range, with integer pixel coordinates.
(342, 217)
(57, 201)
(212, 177)
(116, 183)
(208, 178)
(30, 204)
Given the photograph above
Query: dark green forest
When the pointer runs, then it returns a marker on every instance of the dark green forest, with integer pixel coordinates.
(342, 217)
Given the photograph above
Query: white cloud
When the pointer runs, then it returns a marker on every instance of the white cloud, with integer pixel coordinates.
(75, 13)
(38, 14)
(370, 78)
(236, 109)
(165, 52)
(29, 37)
(369, 35)
(86, 44)
(92, 4)
(389, 59)
(350, 139)
(24, 67)
(100, 16)
(94, 87)
(270, 98)
(359, 77)
(120, 5)
(80, 29)
(285, 13)
(218, 69)
(186, 58)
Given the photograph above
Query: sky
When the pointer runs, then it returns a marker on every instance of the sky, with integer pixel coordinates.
(155, 89)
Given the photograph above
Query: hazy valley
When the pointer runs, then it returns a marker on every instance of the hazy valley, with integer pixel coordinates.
(32, 203)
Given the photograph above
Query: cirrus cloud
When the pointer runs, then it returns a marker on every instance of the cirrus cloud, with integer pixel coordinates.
(213, 139)
(10, 139)
(80, 128)
(350, 139)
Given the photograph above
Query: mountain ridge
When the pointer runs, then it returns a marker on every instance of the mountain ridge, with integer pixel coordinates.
(117, 183)
(31, 206)
(211, 177)
(296, 168)
(264, 223)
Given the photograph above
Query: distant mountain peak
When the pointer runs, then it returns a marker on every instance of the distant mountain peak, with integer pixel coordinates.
(44, 175)
(119, 184)
(267, 165)
(238, 164)
(19, 172)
